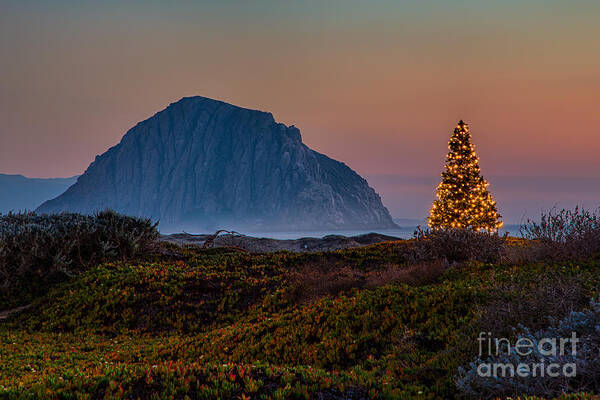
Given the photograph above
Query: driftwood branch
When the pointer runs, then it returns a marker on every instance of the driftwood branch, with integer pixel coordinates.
(209, 242)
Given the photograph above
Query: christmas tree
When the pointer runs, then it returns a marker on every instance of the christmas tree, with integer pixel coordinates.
(463, 200)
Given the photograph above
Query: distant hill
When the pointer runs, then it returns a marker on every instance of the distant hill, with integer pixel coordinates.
(20, 193)
(202, 164)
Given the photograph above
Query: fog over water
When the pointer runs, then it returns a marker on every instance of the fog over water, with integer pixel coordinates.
(518, 197)
(403, 232)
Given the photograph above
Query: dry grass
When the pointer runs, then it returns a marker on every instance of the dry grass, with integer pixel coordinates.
(313, 281)
(424, 273)
(519, 251)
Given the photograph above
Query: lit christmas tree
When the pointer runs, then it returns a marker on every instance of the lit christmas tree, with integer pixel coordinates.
(463, 200)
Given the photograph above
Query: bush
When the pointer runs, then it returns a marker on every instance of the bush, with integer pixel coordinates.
(585, 324)
(565, 234)
(532, 304)
(39, 249)
(457, 245)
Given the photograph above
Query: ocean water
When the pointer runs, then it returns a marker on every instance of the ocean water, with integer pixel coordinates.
(404, 232)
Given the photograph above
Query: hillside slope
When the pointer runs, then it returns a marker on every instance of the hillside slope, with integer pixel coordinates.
(359, 323)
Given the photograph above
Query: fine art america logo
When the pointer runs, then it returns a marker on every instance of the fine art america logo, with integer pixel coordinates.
(552, 357)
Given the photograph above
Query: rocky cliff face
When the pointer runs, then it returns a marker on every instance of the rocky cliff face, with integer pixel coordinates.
(204, 164)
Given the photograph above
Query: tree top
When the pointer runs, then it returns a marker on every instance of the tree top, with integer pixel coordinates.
(463, 125)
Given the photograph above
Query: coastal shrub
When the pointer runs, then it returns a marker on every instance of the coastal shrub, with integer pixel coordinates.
(532, 303)
(457, 245)
(565, 234)
(586, 326)
(36, 250)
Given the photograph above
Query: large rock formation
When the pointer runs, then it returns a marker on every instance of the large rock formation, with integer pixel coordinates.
(203, 164)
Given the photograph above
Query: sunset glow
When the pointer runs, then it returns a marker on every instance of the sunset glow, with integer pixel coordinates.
(373, 84)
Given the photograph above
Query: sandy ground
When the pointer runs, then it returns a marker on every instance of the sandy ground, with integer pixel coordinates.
(254, 244)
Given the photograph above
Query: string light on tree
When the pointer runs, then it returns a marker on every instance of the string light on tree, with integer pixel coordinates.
(463, 200)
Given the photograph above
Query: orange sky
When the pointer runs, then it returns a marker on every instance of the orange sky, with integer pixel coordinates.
(378, 85)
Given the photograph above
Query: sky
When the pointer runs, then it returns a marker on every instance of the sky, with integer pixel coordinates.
(379, 85)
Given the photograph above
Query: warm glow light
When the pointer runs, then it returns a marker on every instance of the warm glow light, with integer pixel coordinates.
(462, 196)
